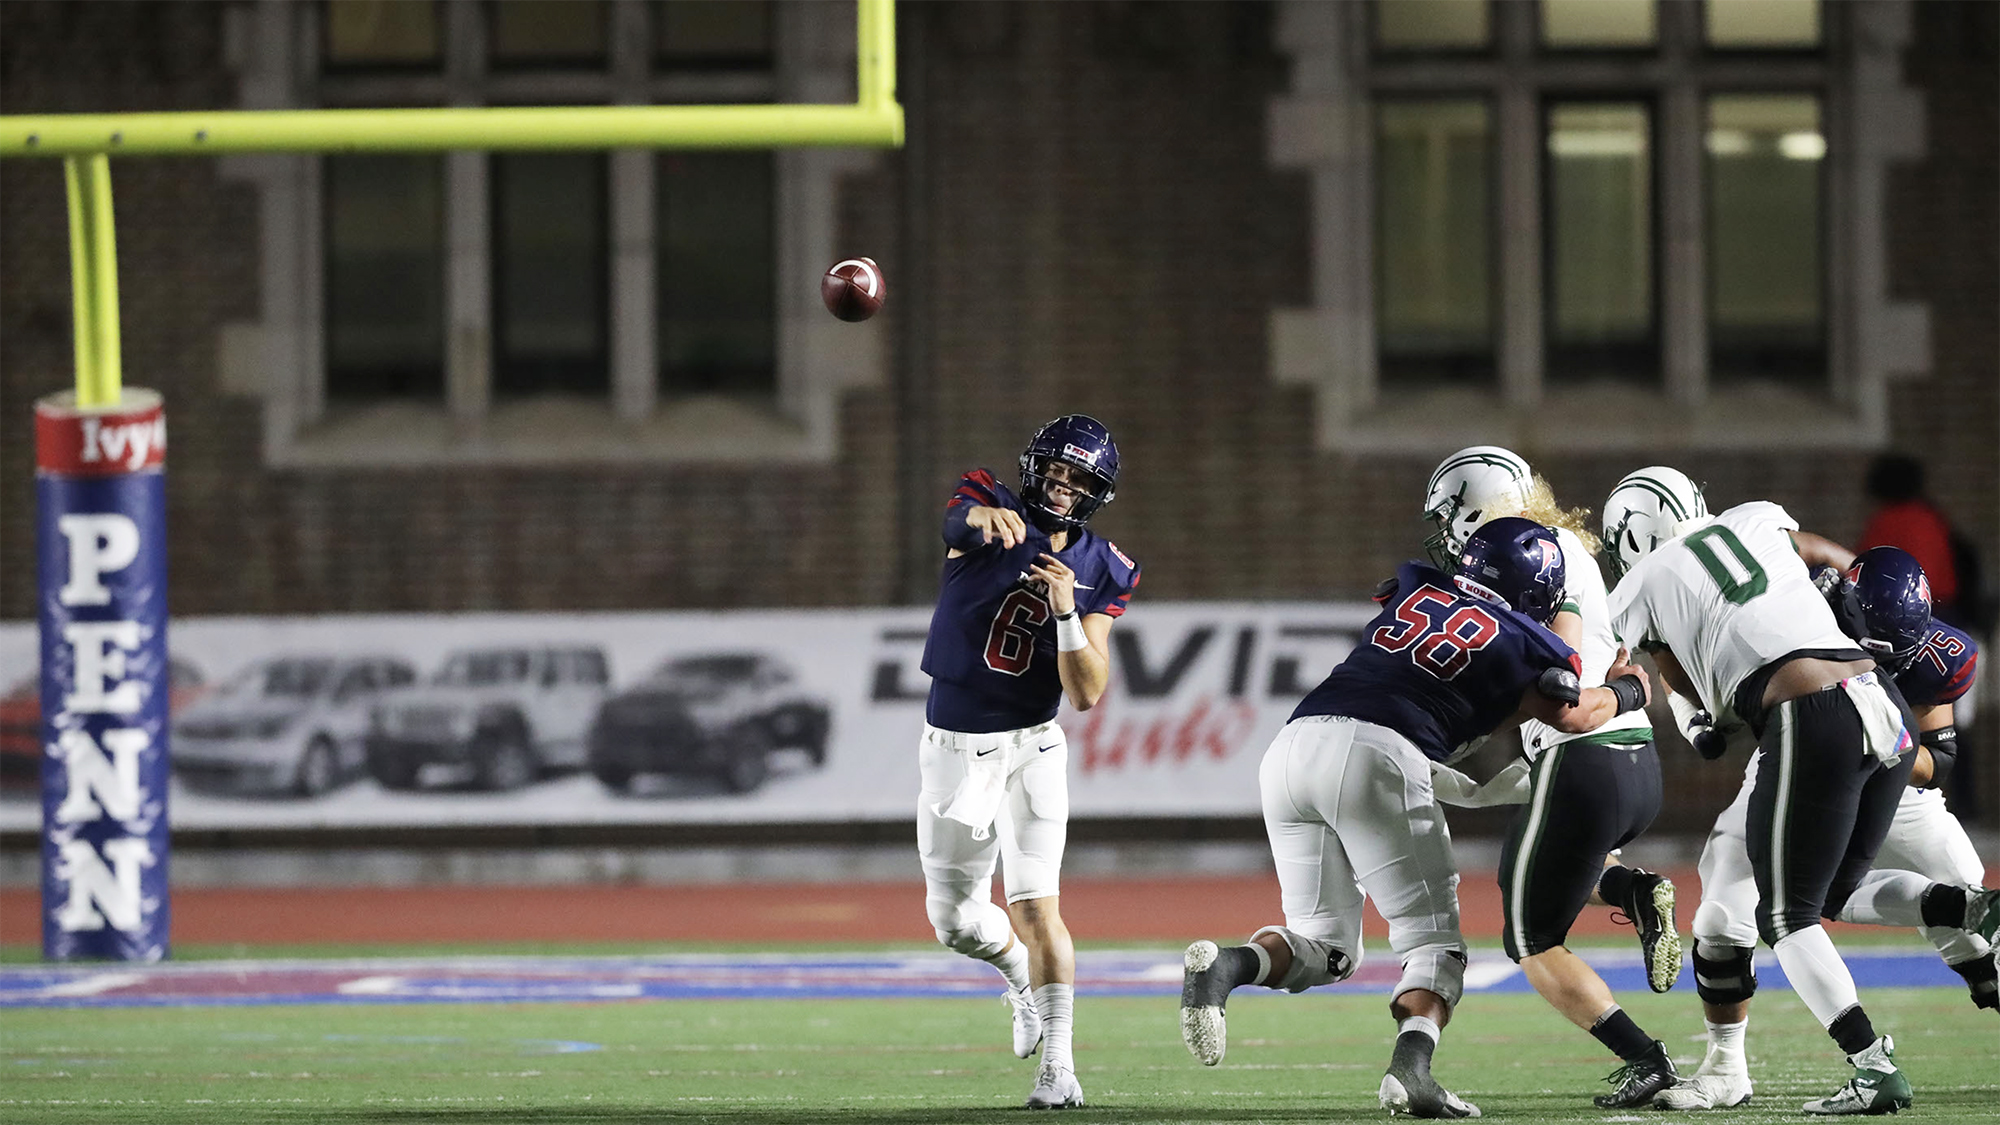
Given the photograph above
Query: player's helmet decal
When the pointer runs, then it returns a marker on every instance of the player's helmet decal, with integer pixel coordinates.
(1080, 441)
(1895, 600)
(1468, 488)
(1647, 508)
(1517, 562)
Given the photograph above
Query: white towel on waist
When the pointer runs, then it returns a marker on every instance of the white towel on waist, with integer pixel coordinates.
(976, 801)
(1881, 722)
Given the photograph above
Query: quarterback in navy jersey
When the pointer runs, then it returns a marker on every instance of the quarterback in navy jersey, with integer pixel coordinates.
(1347, 795)
(1023, 618)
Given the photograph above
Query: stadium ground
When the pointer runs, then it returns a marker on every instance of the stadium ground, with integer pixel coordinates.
(636, 1010)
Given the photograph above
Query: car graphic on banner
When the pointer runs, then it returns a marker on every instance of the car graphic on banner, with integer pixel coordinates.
(718, 714)
(292, 725)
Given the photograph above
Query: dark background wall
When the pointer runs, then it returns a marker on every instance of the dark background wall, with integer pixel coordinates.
(1084, 219)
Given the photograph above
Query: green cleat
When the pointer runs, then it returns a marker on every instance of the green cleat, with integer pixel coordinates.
(1877, 1086)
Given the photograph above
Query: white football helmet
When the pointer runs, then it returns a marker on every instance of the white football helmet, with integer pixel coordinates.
(1476, 484)
(1647, 508)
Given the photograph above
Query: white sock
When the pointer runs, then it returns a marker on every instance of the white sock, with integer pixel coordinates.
(1725, 1046)
(1057, 1004)
(1263, 965)
(1817, 973)
(1887, 898)
(1424, 1024)
(1013, 964)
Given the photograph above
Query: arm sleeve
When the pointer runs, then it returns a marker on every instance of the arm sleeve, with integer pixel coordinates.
(976, 489)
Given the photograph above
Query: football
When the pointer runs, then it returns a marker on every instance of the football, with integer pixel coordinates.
(853, 288)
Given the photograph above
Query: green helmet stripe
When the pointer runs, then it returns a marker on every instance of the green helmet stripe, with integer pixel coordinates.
(1513, 466)
(1659, 488)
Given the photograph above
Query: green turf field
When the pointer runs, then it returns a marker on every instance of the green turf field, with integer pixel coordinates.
(1292, 1059)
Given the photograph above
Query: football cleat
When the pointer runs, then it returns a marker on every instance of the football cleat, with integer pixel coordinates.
(1982, 913)
(1056, 1087)
(1409, 1089)
(1027, 1022)
(1203, 994)
(1652, 912)
(1637, 1083)
(1877, 1086)
(1712, 1090)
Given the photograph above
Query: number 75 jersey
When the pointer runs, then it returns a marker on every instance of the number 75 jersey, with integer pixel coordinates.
(1728, 598)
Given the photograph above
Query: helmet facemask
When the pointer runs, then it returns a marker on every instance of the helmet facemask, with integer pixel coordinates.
(1089, 490)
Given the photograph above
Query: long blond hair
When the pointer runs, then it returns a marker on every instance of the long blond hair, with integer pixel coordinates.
(1543, 509)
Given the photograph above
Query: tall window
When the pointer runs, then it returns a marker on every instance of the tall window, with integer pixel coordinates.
(1598, 194)
(520, 253)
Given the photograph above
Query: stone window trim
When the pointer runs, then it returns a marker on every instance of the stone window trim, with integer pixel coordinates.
(1324, 126)
(280, 356)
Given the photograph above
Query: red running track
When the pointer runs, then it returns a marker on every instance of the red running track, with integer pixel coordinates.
(1096, 909)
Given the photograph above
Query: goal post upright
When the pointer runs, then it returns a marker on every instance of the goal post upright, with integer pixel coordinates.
(100, 450)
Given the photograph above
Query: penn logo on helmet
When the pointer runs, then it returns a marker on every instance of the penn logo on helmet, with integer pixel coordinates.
(1087, 456)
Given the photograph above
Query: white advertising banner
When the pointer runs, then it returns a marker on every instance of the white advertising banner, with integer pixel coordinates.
(669, 717)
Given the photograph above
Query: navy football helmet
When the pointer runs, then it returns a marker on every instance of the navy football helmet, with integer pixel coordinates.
(1516, 562)
(1082, 442)
(1895, 601)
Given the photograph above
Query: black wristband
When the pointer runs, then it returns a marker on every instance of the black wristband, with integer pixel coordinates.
(1630, 691)
(1943, 745)
(1066, 616)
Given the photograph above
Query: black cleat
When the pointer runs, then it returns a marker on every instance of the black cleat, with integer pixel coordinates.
(1638, 1083)
(1652, 912)
(1205, 987)
(1408, 1088)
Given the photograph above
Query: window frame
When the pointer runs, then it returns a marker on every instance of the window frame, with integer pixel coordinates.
(1870, 119)
(279, 355)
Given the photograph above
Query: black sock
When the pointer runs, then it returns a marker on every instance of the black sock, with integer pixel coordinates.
(1980, 977)
(1852, 1030)
(1413, 1052)
(1236, 964)
(1615, 885)
(1625, 1038)
(1944, 905)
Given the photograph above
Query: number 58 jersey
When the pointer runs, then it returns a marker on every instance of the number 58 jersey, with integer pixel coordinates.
(1437, 666)
(1727, 598)
(991, 653)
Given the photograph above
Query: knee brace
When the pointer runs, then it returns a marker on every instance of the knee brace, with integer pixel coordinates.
(974, 928)
(1315, 961)
(1435, 968)
(1724, 974)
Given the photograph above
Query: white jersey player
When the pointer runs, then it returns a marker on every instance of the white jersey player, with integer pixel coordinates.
(1728, 609)
(1583, 794)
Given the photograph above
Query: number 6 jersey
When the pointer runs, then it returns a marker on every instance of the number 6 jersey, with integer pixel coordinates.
(1728, 598)
(991, 653)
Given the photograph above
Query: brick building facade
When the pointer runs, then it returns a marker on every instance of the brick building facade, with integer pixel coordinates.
(1087, 216)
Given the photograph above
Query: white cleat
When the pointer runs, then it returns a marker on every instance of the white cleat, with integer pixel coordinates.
(1027, 1022)
(1203, 1026)
(1056, 1087)
(1709, 1090)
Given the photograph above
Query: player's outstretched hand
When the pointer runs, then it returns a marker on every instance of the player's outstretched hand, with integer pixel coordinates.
(1003, 524)
(1621, 665)
(1058, 582)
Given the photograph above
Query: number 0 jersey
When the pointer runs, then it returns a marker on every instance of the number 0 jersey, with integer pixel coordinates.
(991, 654)
(1438, 667)
(1728, 598)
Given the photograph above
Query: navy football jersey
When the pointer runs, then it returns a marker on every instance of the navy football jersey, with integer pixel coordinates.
(1943, 670)
(991, 654)
(1438, 667)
